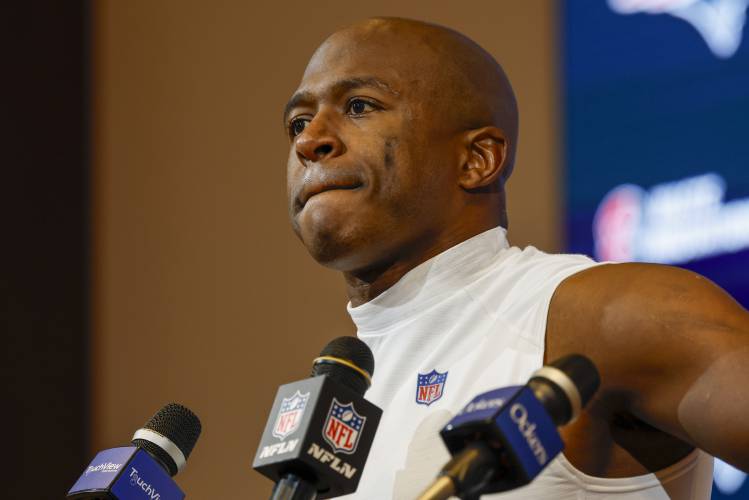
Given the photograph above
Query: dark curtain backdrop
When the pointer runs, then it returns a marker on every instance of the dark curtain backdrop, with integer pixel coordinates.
(44, 246)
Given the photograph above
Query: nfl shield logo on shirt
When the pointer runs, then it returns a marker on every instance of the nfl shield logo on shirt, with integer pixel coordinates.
(430, 387)
(343, 427)
(290, 415)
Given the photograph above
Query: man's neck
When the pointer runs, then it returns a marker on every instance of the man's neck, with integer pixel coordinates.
(364, 285)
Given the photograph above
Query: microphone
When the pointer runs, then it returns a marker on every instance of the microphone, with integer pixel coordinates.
(320, 429)
(159, 450)
(504, 438)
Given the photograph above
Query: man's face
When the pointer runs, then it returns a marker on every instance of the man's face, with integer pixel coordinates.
(369, 170)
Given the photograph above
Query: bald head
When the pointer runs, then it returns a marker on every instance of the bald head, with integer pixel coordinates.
(450, 70)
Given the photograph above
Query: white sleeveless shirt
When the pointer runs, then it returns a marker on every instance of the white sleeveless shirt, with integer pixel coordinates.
(472, 319)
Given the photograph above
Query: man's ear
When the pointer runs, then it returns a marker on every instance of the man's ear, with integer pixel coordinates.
(486, 157)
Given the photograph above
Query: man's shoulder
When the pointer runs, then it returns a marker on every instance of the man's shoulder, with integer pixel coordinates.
(625, 313)
(633, 288)
(616, 296)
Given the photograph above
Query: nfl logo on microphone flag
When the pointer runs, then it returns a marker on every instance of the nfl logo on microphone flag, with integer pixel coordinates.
(342, 427)
(290, 415)
(328, 431)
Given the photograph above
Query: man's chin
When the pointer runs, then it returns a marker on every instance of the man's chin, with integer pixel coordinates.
(330, 251)
(333, 247)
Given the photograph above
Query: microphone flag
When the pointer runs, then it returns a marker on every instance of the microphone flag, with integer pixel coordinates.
(128, 473)
(322, 428)
(514, 417)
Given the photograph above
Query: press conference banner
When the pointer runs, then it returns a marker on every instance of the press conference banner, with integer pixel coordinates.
(656, 115)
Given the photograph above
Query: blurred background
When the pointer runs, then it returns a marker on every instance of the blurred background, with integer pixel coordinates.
(147, 253)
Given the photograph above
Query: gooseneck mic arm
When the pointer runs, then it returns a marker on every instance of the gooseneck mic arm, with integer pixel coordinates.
(468, 473)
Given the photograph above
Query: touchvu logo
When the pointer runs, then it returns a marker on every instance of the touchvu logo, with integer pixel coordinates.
(103, 467)
(719, 22)
(136, 480)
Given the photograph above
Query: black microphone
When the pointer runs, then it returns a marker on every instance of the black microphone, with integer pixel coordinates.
(159, 450)
(504, 438)
(320, 429)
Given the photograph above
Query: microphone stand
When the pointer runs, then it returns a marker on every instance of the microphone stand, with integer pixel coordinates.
(293, 487)
(465, 475)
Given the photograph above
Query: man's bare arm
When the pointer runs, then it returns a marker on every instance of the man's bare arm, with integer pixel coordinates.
(670, 344)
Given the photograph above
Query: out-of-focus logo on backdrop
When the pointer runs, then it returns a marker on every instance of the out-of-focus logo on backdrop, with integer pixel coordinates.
(719, 22)
(727, 478)
(672, 223)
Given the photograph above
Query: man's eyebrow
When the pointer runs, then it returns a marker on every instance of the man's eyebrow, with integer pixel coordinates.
(296, 100)
(339, 87)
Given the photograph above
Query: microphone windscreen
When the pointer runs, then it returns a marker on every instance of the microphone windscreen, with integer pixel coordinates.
(335, 358)
(179, 425)
(583, 374)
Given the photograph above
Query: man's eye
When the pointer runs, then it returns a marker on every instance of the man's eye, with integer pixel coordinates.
(297, 126)
(360, 106)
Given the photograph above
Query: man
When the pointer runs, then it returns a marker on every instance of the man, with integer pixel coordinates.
(403, 135)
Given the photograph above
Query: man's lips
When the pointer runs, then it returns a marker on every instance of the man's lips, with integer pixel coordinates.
(311, 189)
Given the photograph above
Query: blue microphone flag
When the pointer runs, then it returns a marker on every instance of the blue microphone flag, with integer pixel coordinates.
(129, 473)
(517, 419)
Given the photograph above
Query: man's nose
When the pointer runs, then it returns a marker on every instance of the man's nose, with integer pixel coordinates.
(317, 142)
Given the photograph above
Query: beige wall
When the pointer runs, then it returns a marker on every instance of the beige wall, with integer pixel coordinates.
(201, 293)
